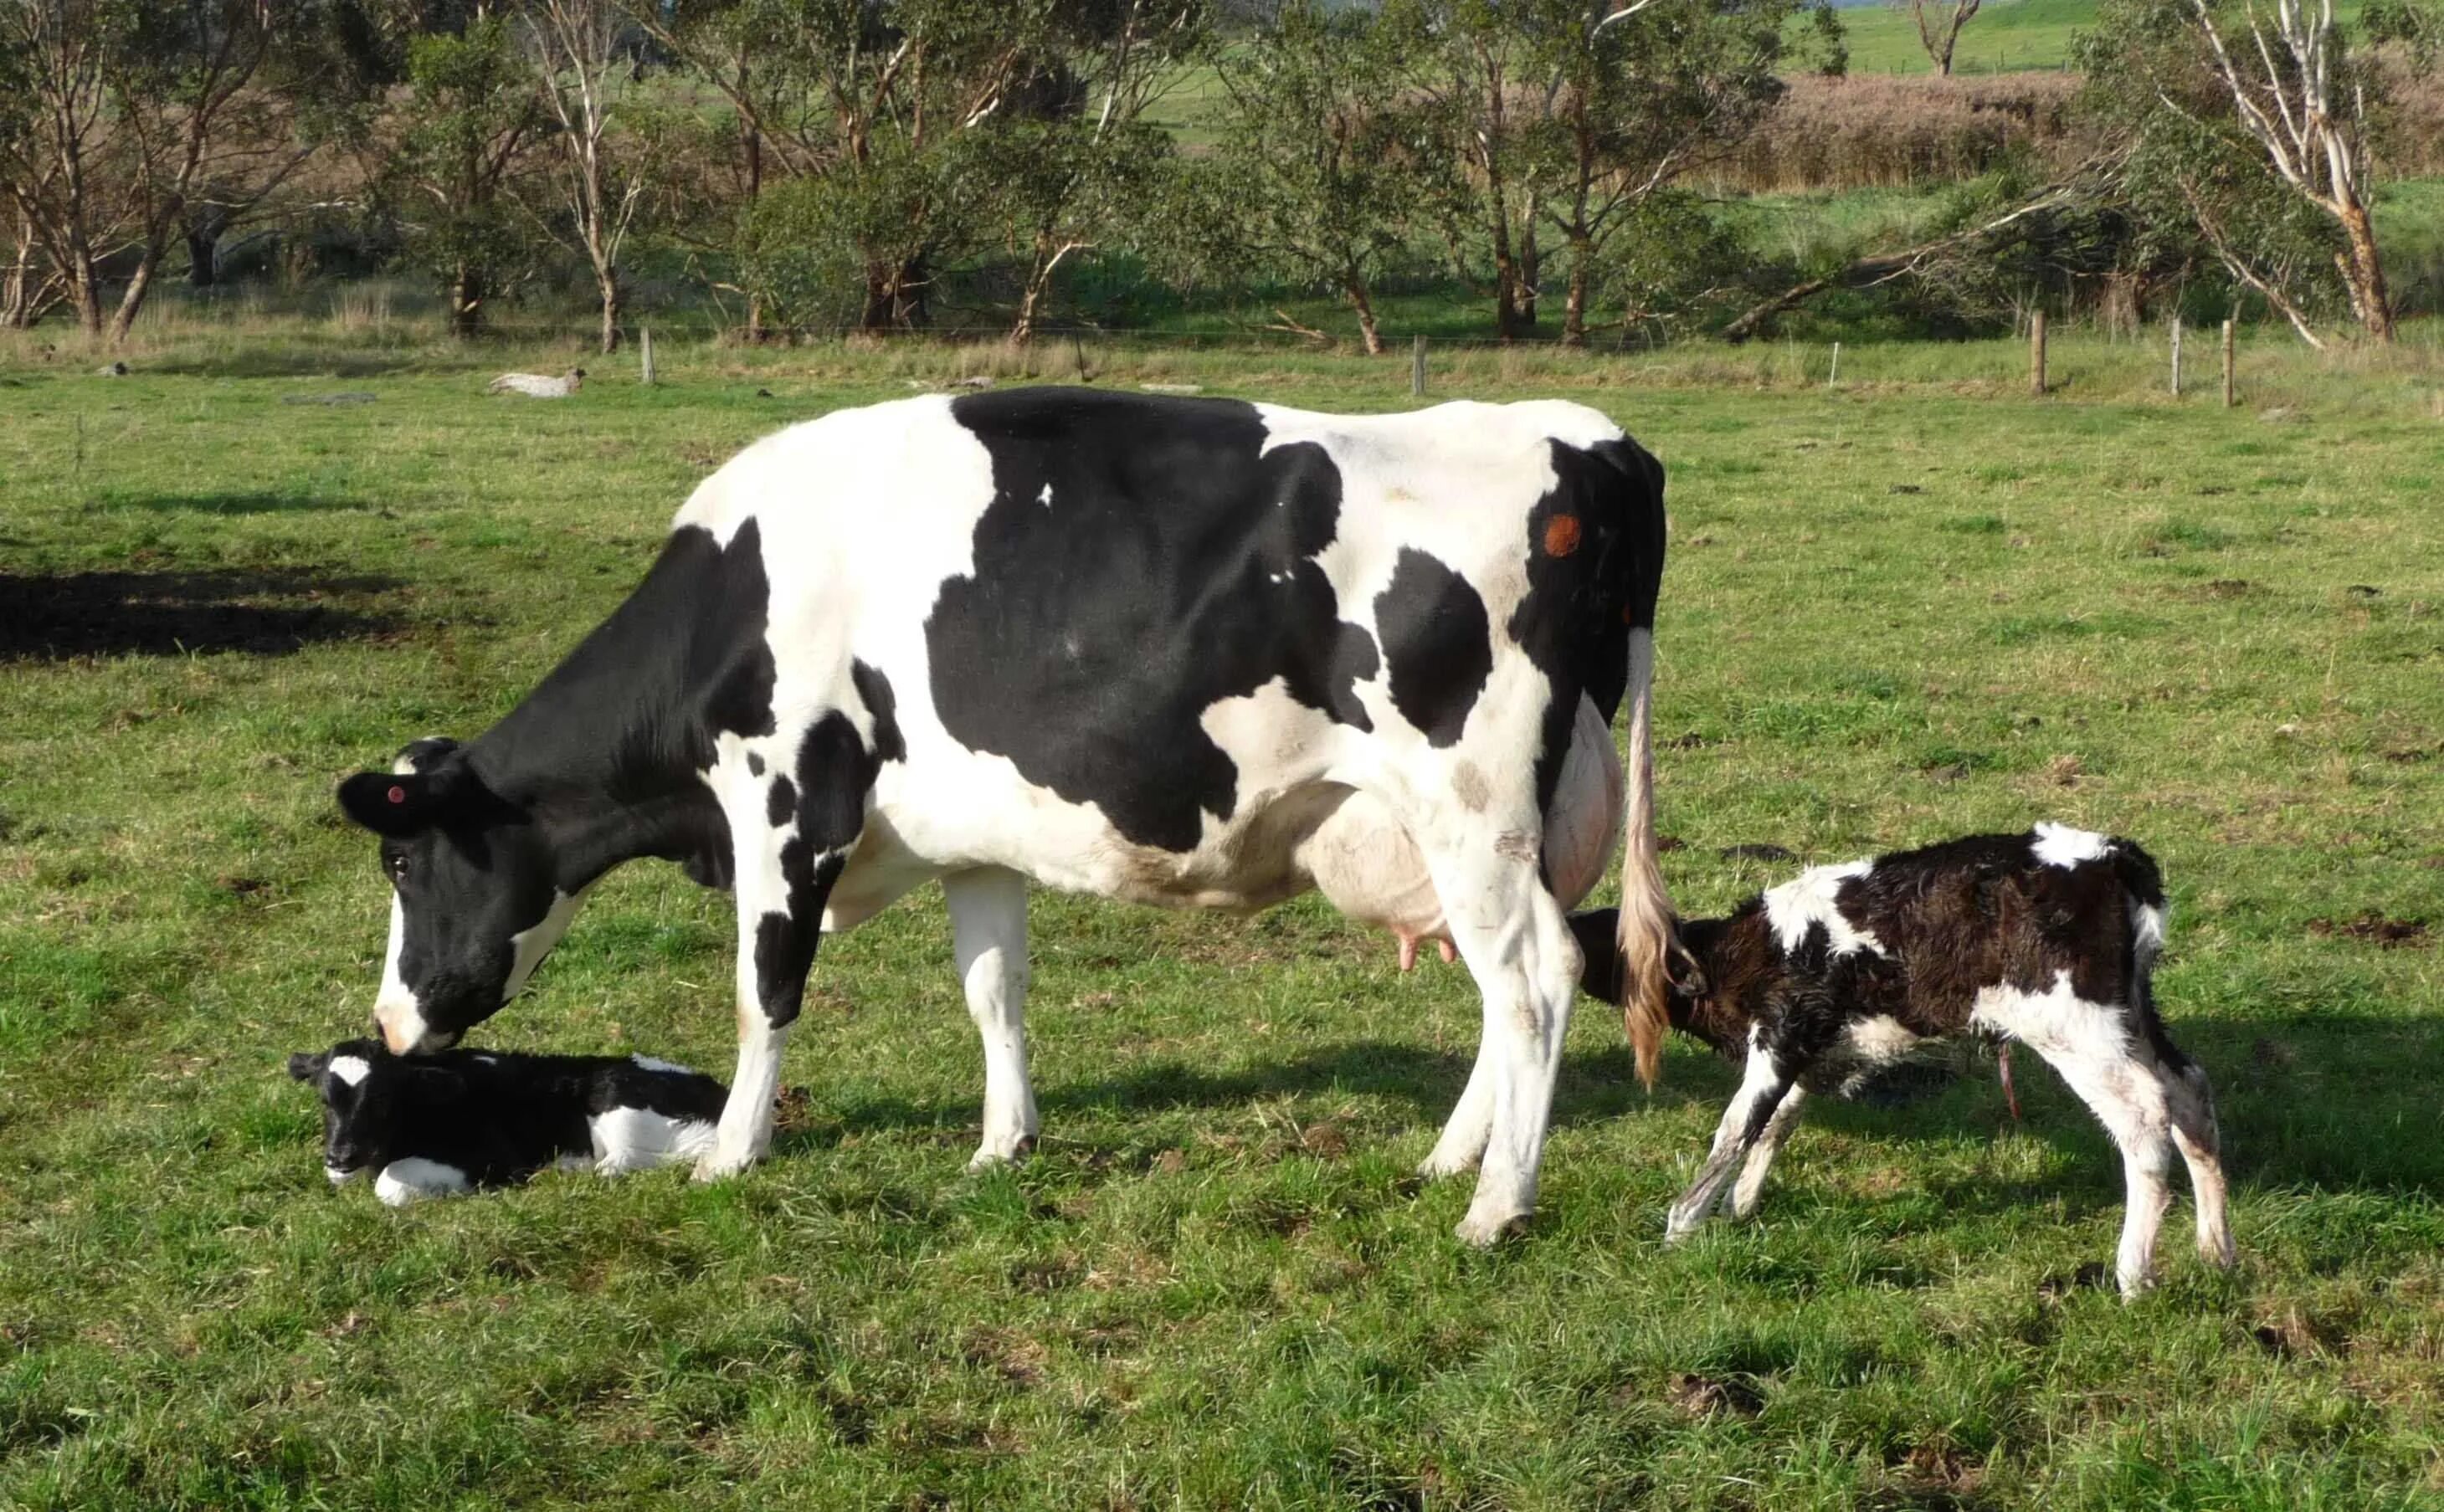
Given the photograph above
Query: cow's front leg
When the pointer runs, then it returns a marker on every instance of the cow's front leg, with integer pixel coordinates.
(988, 936)
(791, 843)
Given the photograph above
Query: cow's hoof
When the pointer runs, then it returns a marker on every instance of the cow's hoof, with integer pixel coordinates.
(718, 1167)
(995, 1155)
(1484, 1233)
(1440, 1163)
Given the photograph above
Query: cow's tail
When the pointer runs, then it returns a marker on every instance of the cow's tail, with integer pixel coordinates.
(1646, 930)
(1645, 933)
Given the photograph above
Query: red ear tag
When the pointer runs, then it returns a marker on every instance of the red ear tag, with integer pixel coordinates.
(397, 795)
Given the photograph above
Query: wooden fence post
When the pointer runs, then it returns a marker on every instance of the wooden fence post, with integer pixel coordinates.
(2037, 354)
(645, 353)
(2176, 357)
(2231, 397)
(1418, 367)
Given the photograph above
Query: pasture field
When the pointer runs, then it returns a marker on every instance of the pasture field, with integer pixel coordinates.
(1910, 607)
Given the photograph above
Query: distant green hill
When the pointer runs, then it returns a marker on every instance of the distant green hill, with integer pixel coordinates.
(2005, 35)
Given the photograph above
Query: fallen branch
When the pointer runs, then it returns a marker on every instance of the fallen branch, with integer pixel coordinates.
(1882, 267)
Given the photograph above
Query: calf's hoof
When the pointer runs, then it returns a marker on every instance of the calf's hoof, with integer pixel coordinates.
(1444, 1163)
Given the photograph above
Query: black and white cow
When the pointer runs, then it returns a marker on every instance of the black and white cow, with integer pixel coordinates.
(1181, 652)
(436, 1125)
(2047, 938)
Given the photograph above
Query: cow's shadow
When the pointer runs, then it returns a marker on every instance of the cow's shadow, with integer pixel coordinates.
(263, 611)
(2316, 1100)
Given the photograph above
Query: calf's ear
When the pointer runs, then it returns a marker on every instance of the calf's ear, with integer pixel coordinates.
(305, 1067)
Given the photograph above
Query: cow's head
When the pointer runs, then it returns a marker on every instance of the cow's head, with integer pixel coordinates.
(474, 901)
(359, 1084)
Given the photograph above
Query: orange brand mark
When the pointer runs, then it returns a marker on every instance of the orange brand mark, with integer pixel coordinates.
(1560, 535)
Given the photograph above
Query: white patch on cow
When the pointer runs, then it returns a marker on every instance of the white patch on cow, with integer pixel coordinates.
(574, 1160)
(2147, 926)
(1046, 497)
(639, 1139)
(350, 1069)
(338, 1177)
(1808, 899)
(2060, 845)
(1877, 1041)
(535, 942)
(487, 1060)
(646, 1062)
(397, 1008)
(415, 1178)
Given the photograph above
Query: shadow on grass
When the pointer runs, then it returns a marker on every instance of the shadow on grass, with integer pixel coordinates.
(264, 610)
(262, 359)
(234, 503)
(2312, 1100)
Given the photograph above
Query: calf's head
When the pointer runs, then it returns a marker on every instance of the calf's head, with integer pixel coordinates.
(475, 904)
(360, 1086)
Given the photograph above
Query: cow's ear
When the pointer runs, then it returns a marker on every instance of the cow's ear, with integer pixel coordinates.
(303, 1067)
(404, 804)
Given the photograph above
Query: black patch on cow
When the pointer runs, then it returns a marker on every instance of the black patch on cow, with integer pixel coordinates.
(874, 689)
(1582, 602)
(754, 765)
(1171, 567)
(1438, 642)
(785, 943)
(835, 773)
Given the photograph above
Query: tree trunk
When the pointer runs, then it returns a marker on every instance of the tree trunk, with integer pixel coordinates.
(1531, 267)
(466, 301)
(203, 257)
(2364, 272)
(1355, 288)
(84, 292)
(1574, 307)
(875, 313)
(133, 300)
(608, 281)
(17, 289)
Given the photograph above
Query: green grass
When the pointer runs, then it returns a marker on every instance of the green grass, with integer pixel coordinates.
(1902, 609)
(2002, 36)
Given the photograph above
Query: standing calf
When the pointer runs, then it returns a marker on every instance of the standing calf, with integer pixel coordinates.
(2049, 938)
(440, 1124)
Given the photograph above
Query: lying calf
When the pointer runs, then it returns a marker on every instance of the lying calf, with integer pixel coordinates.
(2048, 938)
(434, 1125)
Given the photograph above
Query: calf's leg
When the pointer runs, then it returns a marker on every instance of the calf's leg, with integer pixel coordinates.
(2091, 1047)
(989, 938)
(1777, 1129)
(1764, 1087)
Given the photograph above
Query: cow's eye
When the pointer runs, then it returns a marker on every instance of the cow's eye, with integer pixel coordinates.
(397, 866)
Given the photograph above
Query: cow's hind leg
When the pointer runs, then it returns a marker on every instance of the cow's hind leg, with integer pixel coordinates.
(988, 936)
(792, 836)
(1510, 931)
